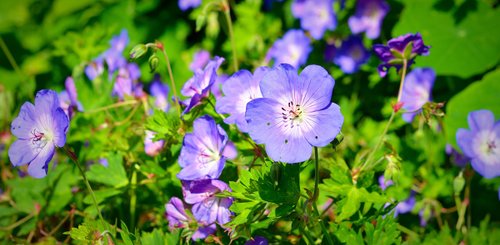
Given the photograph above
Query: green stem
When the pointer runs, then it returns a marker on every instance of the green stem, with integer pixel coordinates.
(18, 223)
(172, 82)
(403, 75)
(11, 59)
(115, 105)
(407, 231)
(227, 14)
(316, 176)
(133, 199)
(323, 227)
(75, 160)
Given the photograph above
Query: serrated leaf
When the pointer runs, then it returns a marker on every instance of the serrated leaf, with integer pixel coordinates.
(125, 234)
(113, 175)
(352, 204)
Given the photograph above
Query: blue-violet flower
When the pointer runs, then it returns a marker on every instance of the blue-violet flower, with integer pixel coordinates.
(368, 17)
(293, 49)
(316, 16)
(416, 91)
(351, 55)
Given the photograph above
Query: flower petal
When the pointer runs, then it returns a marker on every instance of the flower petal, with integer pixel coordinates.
(323, 126)
(464, 141)
(316, 87)
(60, 127)
(481, 119)
(486, 170)
(23, 124)
(22, 152)
(289, 149)
(279, 81)
(39, 166)
(46, 101)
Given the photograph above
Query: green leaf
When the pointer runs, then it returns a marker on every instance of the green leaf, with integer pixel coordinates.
(352, 204)
(463, 48)
(154, 237)
(125, 234)
(479, 95)
(101, 195)
(113, 175)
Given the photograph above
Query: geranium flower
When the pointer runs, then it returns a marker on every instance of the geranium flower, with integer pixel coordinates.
(95, 68)
(187, 4)
(125, 81)
(207, 207)
(351, 55)
(482, 142)
(416, 91)
(40, 128)
(368, 17)
(257, 240)
(293, 49)
(238, 90)
(456, 157)
(69, 98)
(392, 55)
(316, 16)
(178, 218)
(152, 148)
(295, 113)
(200, 60)
(198, 87)
(159, 91)
(204, 151)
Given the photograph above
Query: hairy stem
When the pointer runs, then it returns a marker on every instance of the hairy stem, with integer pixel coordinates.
(316, 175)
(403, 75)
(227, 14)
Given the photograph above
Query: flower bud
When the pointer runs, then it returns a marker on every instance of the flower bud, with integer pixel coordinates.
(138, 51)
(153, 62)
(458, 183)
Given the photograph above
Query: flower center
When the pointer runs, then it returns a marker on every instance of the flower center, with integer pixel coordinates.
(491, 146)
(39, 139)
(206, 157)
(292, 114)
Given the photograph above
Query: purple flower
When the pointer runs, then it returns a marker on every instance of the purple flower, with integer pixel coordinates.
(405, 206)
(295, 113)
(152, 148)
(257, 240)
(39, 129)
(456, 157)
(293, 49)
(187, 4)
(383, 183)
(104, 161)
(198, 87)
(207, 207)
(238, 90)
(482, 143)
(124, 84)
(204, 151)
(351, 55)
(416, 91)
(368, 17)
(176, 214)
(392, 55)
(114, 60)
(316, 16)
(119, 42)
(69, 98)
(200, 60)
(216, 88)
(95, 68)
(159, 91)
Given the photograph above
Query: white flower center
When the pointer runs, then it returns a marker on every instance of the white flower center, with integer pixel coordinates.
(292, 114)
(487, 147)
(40, 139)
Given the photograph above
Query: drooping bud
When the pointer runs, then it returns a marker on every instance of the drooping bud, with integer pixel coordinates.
(153, 62)
(138, 51)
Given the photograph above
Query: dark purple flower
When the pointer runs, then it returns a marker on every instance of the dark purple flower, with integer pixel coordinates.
(293, 49)
(187, 4)
(368, 17)
(176, 214)
(316, 16)
(198, 87)
(416, 91)
(257, 240)
(351, 55)
(456, 157)
(40, 128)
(159, 91)
(69, 98)
(295, 113)
(207, 207)
(482, 143)
(238, 90)
(200, 60)
(393, 54)
(204, 151)
(95, 68)
(152, 148)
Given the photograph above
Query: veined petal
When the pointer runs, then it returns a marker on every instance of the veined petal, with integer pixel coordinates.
(206, 211)
(464, 141)
(22, 126)
(289, 149)
(61, 124)
(46, 101)
(204, 231)
(262, 119)
(22, 152)
(202, 169)
(39, 166)
(482, 119)
(223, 214)
(321, 127)
(280, 82)
(316, 88)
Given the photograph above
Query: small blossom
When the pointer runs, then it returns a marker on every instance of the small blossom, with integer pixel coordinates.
(368, 17)
(351, 55)
(293, 49)
(187, 4)
(104, 161)
(316, 16)
(393, 54)
(482, 142)
(416, 91)
(295, 113)
(69, 98)
(119, 42)
(257, 240)
(200, 60)
(405, 206)
(95, 68)
(125, 81)
(159, 91)
(204, 151)
(152, 148)
(198, 87)
(207, 207)
(176, 214)
(239, 89)
(40, 128)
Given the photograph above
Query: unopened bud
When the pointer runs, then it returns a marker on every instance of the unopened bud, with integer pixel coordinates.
(138, 51)
(458, 183)
(153, 62)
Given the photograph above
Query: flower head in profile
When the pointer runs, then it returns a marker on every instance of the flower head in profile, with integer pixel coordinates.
(239, 89)
(200, 60)
(416, 91)
(481, 143)
(39, 129)
(69, 98)
(198, 87)
(207, 207)
(368, 17)
(152, 148)
(293, 49)
(125, 84)
(398, 49)
(159, 91)
(187, 4)
(316, 16)
(351, 55)
(295, 113)
(175, 211)
(204, 151)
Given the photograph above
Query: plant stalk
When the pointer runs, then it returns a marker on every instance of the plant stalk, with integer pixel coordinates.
(227, 14)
